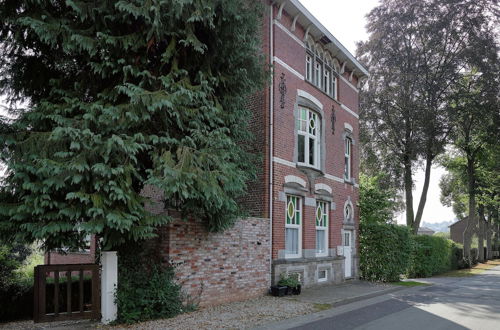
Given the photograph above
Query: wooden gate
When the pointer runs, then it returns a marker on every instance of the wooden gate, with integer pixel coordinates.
(74, 295)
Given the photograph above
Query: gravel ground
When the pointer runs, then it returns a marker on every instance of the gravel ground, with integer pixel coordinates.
(237, 315)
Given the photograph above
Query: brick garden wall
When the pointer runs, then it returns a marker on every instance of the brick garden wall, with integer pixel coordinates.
(87, 257)
(216, 268)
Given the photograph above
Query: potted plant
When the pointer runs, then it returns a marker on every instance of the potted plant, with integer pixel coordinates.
(292, 282)
(279, 290)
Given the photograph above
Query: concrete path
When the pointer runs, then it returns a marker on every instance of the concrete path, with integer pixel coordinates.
(450, 303)
(341, 294)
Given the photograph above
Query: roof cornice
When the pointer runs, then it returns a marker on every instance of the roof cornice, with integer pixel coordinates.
(317, 29)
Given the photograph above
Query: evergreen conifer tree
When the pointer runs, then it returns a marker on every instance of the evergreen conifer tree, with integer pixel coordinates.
(118, 95)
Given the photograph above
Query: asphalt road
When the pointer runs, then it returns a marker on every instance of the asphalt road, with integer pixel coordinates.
(450, 303)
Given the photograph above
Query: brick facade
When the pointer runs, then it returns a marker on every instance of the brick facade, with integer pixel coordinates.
(289, 59)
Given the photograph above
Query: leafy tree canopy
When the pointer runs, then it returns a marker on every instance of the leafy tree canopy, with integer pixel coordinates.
(378, 203)
(119, 96)
(416, 54)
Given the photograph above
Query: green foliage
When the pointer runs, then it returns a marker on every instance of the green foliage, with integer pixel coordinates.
(119, 95)
(7, 267)
(442, 235)
(376, 202)
(432, 255)
(385, 251)
(16, 284)
(289, 280)
(146, 291)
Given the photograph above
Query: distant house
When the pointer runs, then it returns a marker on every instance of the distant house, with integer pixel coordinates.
(457, 231)
(425, 231)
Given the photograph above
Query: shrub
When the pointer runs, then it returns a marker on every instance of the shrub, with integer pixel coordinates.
(290, 280)
(431, 255)
(16, 288)
(146, 291)
(457, 256)
(385, 251)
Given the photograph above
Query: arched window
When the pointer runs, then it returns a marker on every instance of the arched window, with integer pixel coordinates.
(308, 137)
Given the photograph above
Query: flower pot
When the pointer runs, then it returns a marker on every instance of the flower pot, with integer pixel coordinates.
(279, 291)
(297, 289)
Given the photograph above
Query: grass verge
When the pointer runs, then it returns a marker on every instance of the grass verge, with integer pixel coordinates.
(409, 283)
(322, 307)
(475, 270)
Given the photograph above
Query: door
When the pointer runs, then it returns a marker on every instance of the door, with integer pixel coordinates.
(348, 254)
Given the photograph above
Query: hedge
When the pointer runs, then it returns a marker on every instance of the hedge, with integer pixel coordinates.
(431, 255)
(385, 251)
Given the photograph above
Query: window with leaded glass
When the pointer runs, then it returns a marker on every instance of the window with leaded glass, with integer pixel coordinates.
(293, 226)
(321, 228)
(308, 138)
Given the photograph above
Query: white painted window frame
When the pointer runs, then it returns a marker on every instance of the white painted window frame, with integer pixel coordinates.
(308, 135)
(324, 227)
(295, 226)
(334, 86)
(347, 158)
(309, 66)
(326, 80)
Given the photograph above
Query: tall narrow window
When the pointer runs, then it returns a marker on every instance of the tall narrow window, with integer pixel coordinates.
(321, 229)
(347, 156)
(333, 91)
(309, 66)
(308, 137)
(317, 73)
(293, 228)
(326, 81)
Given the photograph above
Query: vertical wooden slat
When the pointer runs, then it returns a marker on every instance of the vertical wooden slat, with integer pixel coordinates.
(81, 292)
(56, 292)
(42, 309)
(68, 291)
(36, 296)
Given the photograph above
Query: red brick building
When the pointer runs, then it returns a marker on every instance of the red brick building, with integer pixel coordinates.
(304, 203)
(314, 149)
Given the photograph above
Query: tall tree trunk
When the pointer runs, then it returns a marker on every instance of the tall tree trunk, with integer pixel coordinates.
(480, 239)
(489, 233)
(423, 196)
(408, 191)
(471, 219)
(480, 234)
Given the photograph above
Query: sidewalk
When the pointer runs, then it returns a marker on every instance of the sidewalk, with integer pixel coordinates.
(345, 293)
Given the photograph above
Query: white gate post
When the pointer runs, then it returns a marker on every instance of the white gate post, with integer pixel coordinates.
(109, 281)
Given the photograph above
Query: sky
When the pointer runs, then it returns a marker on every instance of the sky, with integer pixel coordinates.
(346, 21)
